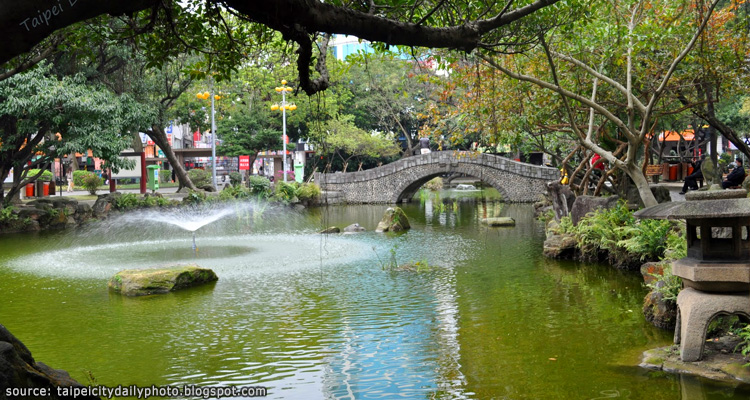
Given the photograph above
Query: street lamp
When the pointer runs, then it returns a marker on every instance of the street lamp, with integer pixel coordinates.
(205, 96)
(283, 107)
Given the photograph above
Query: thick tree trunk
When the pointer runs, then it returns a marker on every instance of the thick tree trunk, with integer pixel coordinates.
(159, 137)
(640, 181)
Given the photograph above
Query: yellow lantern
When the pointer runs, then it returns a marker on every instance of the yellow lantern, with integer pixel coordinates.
(283, 82)
(217, 97)
(206, 95)
(293, 107)
(288, 89)
(279, 89)
(274, 107)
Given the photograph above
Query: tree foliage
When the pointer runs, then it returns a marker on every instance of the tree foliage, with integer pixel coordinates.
(43, 117)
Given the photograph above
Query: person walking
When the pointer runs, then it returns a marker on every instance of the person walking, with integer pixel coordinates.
(691, 181)
(736, 177)
(69, 177)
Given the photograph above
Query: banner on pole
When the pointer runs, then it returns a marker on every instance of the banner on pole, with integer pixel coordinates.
(244, 163)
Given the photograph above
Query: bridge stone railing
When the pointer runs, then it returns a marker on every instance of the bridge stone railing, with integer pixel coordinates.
(399, 180)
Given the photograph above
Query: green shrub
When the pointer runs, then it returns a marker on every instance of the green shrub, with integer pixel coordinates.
(165, 175)
(308, 191)
(7, 215)
(78, 177)
(199, 177)
(91, 182)
(434, 184)
(744, 345)
(126, 201)
(648, 238)
(259, 185)
(676, 244)
(45, 177)
(195, 198)
(669, 287)
(235, 178)
(625, 242)
(286, 192)
(234, 192)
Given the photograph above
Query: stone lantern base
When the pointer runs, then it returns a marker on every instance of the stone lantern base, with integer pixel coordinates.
(695, 309)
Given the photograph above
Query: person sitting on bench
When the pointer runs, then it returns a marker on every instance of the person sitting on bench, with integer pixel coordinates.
(691, 181)
(735, 177)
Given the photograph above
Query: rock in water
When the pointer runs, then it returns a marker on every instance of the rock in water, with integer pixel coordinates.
(330, 229)
(354, 228)
(560, 246)
(394, 220)
(499, 221)
(19, 373)
(142, 282)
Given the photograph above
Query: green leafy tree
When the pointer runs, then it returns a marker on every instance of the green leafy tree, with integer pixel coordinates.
(610, 76)
(247, 134)
(36, 105)
(346, 141)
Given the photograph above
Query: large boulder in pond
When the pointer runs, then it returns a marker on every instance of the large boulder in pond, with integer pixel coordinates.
(394, 220)
(19, 372)
(142, 282)
(330, 230)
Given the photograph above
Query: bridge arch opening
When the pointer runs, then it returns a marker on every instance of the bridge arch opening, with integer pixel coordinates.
(407, 192)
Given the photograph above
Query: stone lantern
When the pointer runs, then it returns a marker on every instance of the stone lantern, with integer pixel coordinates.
(716, 271)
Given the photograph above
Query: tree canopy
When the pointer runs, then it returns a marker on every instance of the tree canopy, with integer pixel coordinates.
(212, 27)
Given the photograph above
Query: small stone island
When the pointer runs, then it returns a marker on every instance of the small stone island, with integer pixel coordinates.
(143, 282)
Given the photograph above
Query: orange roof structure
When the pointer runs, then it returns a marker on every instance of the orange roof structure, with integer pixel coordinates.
(672, 136)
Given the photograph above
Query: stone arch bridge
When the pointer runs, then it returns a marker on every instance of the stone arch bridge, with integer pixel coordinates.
(398, 181)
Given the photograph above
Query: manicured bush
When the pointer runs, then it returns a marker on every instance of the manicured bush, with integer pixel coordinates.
(235, 178)
(199, 177)
(259, 185)
(91, 182)
(45, 177)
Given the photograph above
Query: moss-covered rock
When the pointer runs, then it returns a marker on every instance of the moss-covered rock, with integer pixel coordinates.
(499, 221)
(394, 220)
(561, 246)
(330, 229)
(142, 282)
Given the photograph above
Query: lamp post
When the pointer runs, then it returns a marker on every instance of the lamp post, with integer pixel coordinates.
(205, 96)
(283, 107)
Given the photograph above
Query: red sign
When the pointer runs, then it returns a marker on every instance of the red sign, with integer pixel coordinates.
(244, 163)
(286, 138)
(196, 137)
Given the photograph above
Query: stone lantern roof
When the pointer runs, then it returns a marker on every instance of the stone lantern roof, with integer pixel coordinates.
(731, 203)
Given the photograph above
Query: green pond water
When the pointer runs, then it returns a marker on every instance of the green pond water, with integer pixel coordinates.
(318, 317)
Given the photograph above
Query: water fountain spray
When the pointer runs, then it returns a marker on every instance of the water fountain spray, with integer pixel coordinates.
(195, 248)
